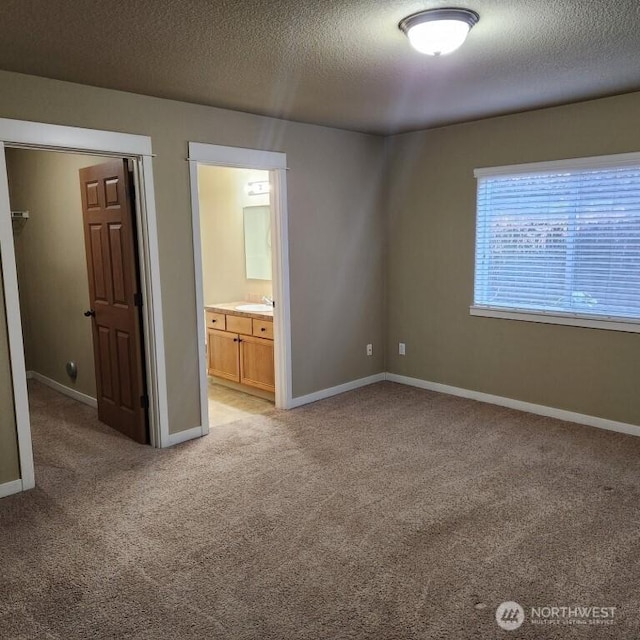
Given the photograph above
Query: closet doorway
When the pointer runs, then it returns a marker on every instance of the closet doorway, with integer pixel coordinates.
(75, 238)
(102, 190)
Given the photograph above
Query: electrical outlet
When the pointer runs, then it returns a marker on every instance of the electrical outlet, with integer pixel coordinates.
(401, 348)
(369, 349)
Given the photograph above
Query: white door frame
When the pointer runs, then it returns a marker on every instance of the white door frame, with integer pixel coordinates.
(276, 163)
(36, 135)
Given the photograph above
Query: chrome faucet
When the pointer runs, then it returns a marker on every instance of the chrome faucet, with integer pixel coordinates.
(267, 300)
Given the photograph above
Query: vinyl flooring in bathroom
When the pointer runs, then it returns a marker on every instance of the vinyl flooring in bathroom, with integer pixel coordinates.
(228, 405)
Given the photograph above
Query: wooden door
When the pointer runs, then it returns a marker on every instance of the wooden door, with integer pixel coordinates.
(256, 363)
(222, 349)
(114, 290)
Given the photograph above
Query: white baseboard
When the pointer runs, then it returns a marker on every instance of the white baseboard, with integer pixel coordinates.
(334, 391)
(60, 388)
(539, 409)
(183, 436)
(197, 432)
(9, 488)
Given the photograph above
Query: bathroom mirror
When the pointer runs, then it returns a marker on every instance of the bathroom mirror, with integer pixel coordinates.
(257, 242)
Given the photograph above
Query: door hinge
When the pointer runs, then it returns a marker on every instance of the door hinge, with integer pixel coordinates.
(137, 299)
(144, 401)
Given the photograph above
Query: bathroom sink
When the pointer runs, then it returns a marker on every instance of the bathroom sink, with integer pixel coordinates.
(254, 307)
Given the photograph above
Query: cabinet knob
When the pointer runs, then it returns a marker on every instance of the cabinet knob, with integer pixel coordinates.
(262, 329)
(213, 321)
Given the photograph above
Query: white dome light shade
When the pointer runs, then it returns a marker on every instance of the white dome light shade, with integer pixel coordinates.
(438, 31)
(436, 38)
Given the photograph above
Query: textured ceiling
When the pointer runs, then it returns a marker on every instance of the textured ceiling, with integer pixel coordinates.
(342, 63)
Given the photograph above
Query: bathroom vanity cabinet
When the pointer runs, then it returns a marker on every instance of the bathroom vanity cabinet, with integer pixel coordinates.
(240, 348)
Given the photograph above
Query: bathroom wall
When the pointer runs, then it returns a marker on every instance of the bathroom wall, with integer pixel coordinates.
(222, 197)
(52, 269)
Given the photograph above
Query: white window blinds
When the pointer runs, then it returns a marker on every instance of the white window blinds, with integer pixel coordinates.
(565, 240)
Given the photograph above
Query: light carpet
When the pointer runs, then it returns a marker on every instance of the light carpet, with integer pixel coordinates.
(384, 513)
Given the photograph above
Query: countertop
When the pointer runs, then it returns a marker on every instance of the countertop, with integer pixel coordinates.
(230, 307)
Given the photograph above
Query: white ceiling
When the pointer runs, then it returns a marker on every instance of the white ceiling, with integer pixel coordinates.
(341, 63)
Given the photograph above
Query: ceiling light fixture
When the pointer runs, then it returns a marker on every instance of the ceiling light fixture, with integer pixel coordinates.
(438, 31)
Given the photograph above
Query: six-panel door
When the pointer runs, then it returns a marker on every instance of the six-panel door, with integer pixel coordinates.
(114, 290)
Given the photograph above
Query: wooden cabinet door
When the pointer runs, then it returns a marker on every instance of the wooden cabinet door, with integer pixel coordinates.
(216, 321)
(222, 354)
(263, 329)
(256, 363)
(239, 324)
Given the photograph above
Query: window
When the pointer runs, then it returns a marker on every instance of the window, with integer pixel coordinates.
(560, 242)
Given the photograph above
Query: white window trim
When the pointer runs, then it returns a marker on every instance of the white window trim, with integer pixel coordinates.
(630, 325)
(568, 319)
(593, 162)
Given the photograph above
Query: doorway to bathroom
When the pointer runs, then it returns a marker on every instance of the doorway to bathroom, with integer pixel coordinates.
(242, 282)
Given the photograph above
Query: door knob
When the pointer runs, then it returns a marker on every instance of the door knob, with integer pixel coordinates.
(90, 314)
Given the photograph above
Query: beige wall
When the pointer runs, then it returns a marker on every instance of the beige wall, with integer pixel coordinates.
(337, 246)
(335, 225)
(222, 197)
(9, 462)
(52, 276)
(431, 227)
